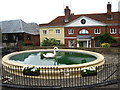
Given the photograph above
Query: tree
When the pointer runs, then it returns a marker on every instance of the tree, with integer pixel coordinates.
(105, 38)
(50, 42)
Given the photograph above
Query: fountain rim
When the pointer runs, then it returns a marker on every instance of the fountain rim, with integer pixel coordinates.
(99, 61)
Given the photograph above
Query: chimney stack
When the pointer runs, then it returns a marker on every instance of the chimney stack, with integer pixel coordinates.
(109, 11)
(67, 12)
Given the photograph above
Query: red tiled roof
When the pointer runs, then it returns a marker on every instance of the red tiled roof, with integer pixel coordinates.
(102, 17)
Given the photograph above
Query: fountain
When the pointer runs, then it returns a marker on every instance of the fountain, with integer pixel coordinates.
(65, 60)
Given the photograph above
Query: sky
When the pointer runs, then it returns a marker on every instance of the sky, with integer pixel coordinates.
(44, 11)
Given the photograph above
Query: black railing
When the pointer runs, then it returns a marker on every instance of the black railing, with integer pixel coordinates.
(54, 77)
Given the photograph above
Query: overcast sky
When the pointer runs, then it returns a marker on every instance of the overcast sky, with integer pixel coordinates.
(43, 11)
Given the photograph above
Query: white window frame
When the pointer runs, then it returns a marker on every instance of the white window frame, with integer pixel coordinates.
(112, 30)
(97, 31)
(57, 31)
(83, 31)
(70, 31)
(71, 43)
(44, 32)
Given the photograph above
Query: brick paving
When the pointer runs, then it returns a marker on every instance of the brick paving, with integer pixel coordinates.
(111, 58)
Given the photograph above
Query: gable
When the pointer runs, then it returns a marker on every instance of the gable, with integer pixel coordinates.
(84, 21)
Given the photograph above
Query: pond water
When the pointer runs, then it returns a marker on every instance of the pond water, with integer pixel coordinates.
(61, 58)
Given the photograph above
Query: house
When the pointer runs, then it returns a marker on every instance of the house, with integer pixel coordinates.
(80, 30)
(17, 31)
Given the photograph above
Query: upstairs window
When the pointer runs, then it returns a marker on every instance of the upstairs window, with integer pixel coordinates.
(70, 31)
(57, 31)
(44, 31)
(112, 30)
(83, 31)
(4, 37)
(97, 31)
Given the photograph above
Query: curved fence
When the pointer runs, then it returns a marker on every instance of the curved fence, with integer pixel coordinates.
(67, 78)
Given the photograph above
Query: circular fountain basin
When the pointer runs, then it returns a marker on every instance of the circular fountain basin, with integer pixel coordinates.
(98, 61)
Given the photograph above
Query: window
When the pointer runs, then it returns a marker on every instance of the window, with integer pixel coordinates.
(66, 20)
(44, 31)
(83, 21)
(83, 31)
(57, 31)
(5, 37)
(97, 31)
(112, 30)
(58, 41)
(71, 43)
(97, 43)
(28, 37)
(70, 31)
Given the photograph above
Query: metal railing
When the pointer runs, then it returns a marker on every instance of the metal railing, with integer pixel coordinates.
(52, 77)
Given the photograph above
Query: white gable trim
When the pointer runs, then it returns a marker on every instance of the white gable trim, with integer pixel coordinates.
(89, 22)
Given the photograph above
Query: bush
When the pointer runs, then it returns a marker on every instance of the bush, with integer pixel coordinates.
(105, 45)
(105, 38)
(50, 42)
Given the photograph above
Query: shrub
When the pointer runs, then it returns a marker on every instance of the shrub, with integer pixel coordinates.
(105, 38)
(105, 45)
(50, 42)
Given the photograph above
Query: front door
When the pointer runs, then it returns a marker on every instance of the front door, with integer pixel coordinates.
(83, 43)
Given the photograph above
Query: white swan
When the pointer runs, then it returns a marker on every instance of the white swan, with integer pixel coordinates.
(51, 55)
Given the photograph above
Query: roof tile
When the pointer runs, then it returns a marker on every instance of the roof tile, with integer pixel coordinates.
(102, 17)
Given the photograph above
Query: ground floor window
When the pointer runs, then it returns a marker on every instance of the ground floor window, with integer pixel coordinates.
(97, 43)
(71, 43)
(58, 41)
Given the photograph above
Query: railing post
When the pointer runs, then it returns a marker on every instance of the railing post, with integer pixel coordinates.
(118, 74)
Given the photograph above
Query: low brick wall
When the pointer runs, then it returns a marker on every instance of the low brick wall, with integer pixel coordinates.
(104, 50)
(100, 50)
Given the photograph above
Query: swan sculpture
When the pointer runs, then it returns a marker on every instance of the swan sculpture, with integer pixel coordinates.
(51, 55)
